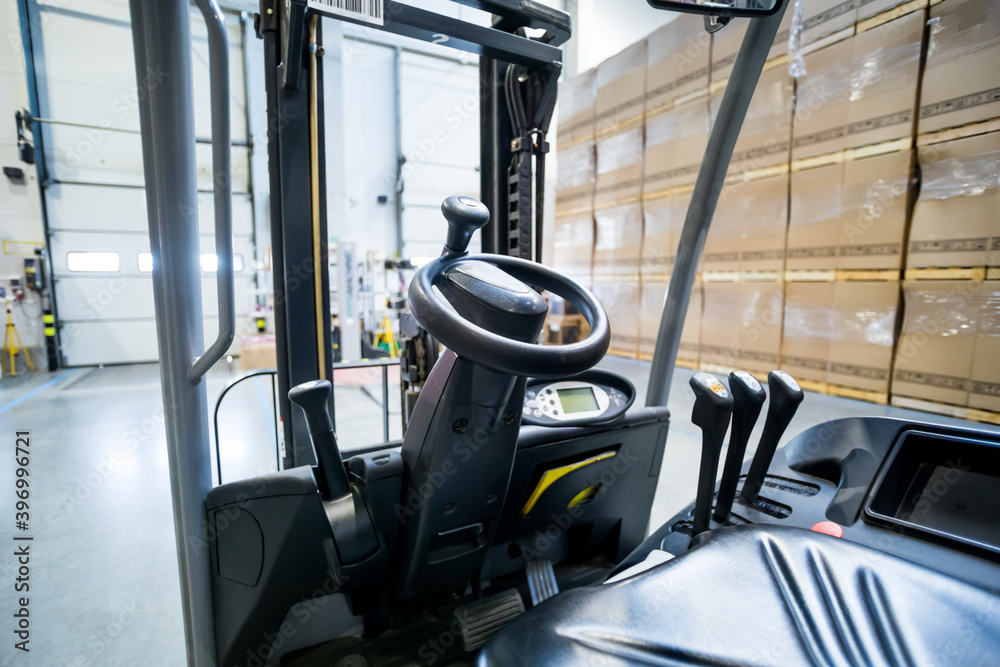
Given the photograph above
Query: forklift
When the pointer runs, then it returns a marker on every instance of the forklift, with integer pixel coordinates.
(510, 525)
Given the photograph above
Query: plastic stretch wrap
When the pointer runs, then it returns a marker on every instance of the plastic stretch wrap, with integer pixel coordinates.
(935, 352)
(619, 167)
(961, 76)
(676, 60)
(577, 99)
(814, 228)
(875, 205)
(573, 245)
(984, 391)
(619, 240)
(621, 86)
(808, 332)
(675, 145)
(960, 177)
(956, 221)
(621, 299)
(577, 166)
(765, 134)
(864, 326)
(659, 243)
(796, 61)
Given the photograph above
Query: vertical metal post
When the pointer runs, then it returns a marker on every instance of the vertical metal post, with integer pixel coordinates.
(742, 82)
(385, 403)
(161, 35)
(397, 75)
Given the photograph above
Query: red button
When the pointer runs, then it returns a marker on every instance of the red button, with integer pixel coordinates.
(829, 528)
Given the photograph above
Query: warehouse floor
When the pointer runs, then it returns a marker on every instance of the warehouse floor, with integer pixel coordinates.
(104, 579)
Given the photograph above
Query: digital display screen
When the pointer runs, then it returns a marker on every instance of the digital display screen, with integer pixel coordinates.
(581, 399)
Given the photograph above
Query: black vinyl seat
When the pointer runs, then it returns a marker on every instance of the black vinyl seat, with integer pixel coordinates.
(754, 595)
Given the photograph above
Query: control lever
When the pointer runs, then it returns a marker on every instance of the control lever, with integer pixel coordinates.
(314, 399)
(748, 399)
(713, 406)
(785, 398)
(464, 215)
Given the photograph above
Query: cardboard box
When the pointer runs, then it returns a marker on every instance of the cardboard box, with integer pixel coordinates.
(822, 100)
(766, 131)
(619, 168)
(726, 44)
(763, 313)
(956, 220)
(884, 81)
(961, 77)
(808, 332)
(871, 8)
(864, 331)
(573, 245)
(934, 355)
(815, 218)
(653, 294)
(741, 325)
(618, 245)
(621, 299)
(659, 243)
(258, 351)
(876, 200)
(765, 223)
(621, 88)
(984, 390)
(565, 329)
(577, 108)
(720, 325)
(675, 145)
(725, 235)
(824, 17)
(576, 175)
(677, 61)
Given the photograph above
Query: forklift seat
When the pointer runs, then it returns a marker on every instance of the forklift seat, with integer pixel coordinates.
(760, 595)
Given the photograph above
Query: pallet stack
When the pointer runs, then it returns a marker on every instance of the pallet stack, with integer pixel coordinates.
(948, 356)
(862, 202)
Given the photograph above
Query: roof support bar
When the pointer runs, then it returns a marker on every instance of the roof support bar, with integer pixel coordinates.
(749, 64)
(161, 36)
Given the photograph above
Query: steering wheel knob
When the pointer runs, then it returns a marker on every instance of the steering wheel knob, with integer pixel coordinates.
(464, 215)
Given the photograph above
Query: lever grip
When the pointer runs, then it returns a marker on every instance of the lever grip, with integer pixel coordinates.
(748, 399)
(314, 399)
(785, 398)
(713, 407)
(464, 215)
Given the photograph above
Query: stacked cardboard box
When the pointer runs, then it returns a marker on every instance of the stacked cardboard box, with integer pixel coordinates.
(764, 137)
(676, 62)
(675, 145)
(573, 235)
(814, 218)
(749, 227)
(827, 19)
(961, 77)
(651, 309)
(621, 299)
(821, 102)
(621, 89)
(864, 331)
(726, 44)
(956, 221)
(741, 325)
(805, 344)
(948, 344)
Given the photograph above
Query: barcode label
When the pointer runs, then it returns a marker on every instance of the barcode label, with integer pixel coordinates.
(369, 11)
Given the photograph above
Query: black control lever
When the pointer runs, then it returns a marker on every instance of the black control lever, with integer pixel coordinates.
(314, 399)
(713, 406)
(785, 398)
(464, 215)
(748, 399)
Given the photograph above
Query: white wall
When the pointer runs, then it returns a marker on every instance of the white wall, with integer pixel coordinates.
(20, 208)
(602, 28)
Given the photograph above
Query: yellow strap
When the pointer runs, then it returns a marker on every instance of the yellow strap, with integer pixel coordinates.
(550, 477)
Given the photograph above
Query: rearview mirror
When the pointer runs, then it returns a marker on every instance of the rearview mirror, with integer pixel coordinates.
(724, 8)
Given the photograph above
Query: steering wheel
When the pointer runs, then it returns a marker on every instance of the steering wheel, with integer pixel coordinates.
(432, 293)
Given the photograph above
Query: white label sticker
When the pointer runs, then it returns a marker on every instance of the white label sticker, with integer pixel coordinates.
(369, 11)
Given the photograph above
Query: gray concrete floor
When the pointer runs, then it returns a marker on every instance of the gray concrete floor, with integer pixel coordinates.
(104, 587)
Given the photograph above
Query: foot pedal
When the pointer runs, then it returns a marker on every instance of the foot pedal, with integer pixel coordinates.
(481, 619)
(541, 580)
